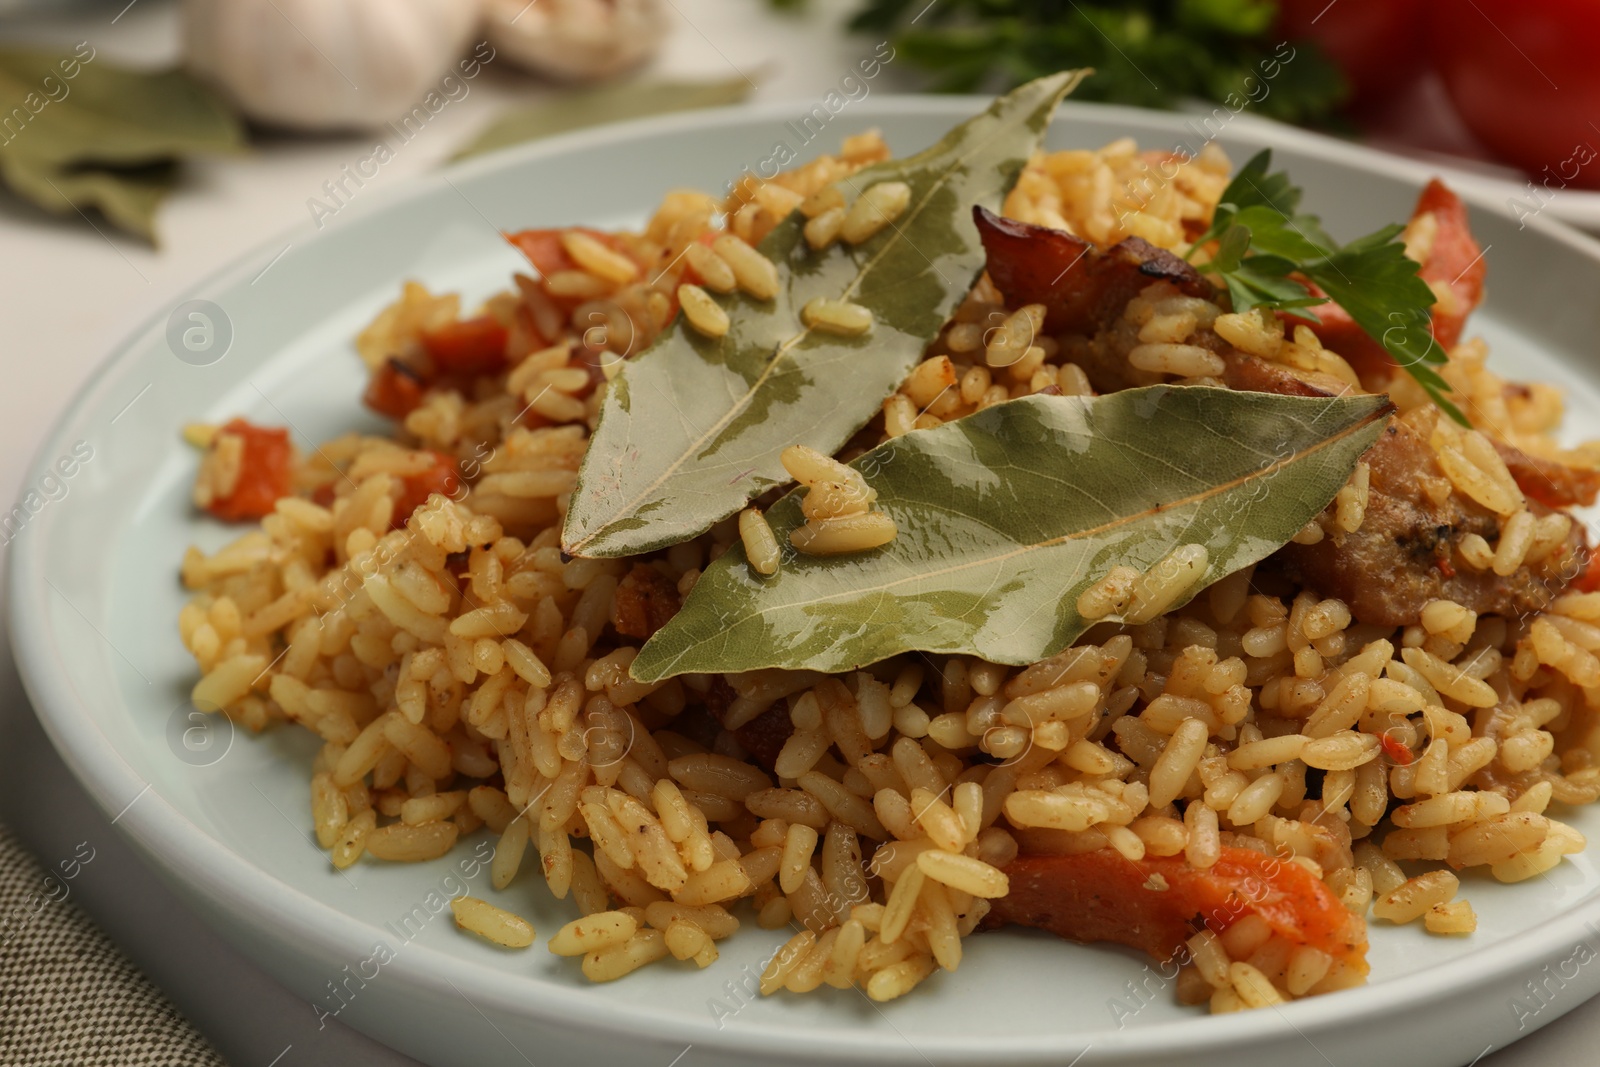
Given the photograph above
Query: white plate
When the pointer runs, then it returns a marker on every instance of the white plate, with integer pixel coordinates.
(1509, 188)
(95, 598)
(1420, 126)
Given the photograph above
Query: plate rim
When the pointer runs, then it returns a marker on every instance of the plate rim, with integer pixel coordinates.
(1575, 206)
(241, 889)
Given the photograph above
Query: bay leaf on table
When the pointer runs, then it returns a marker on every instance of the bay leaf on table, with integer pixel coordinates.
(578, 109)
(1007, 515)
(107, 136)
(127, 196)
(691, 429)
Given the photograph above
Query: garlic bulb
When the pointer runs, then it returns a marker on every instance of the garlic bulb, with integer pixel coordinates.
(326, 64)
(576, 40)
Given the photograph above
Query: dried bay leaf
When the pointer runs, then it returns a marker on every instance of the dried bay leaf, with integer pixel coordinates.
(127, 196)
(116, 115)
(1007, 515)
(104, 137)
(691, 429)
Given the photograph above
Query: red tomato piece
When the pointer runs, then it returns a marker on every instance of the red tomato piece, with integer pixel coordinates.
(1551, 483)
(1524, 79)
(1154, 904)
(1589, 580)
(1455, 262)
(468, 346)
(443, 477)
(1379, 45)
(266, 472)
(395, 390)
(545, 251)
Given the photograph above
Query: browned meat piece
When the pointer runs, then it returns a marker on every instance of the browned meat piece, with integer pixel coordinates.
(1252, 375)
(1082, 288)
(1555, 485)
(1403, 555)
(719, 697)
(646, 600)
(1085, 290)
(1104, 359)
(763, 736)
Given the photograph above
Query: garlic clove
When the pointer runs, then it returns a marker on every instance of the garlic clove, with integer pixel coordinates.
(326, 64)
(576, 40)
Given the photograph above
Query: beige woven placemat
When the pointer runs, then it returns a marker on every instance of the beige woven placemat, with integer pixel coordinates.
(68, 997)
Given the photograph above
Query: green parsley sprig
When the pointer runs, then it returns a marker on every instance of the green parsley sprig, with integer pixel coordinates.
(1150, 53)
(1265, 245)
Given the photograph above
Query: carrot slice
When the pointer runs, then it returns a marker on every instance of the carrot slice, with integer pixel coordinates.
(1589, 580)
(265, 473)
(1157, 903)
(545, 251)
(459, 351)
(395, 390)
(443, 477)
(468, 346)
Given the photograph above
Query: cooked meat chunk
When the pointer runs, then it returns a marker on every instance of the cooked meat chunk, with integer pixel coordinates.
(1252, 375)
(1082, 288)
(1404, 553)
(764, 736)
(646, 600)
(1085, 290)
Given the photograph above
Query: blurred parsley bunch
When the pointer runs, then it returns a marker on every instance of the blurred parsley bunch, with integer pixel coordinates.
(1151, 53)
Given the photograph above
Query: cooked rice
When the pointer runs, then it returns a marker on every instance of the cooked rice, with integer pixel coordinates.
(760, 543)
(877, 206)
(463, 674)
(492, 923)
(837, 507)
(836, 316)
(702, 312)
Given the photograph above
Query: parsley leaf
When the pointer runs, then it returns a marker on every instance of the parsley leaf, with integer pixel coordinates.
(1151, 53)
(1264, 246)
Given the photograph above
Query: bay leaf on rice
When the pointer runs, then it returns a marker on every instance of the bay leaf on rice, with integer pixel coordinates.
(691, 429)
(1007, 515)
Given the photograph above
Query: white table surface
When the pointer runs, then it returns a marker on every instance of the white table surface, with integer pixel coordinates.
(68, 293)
